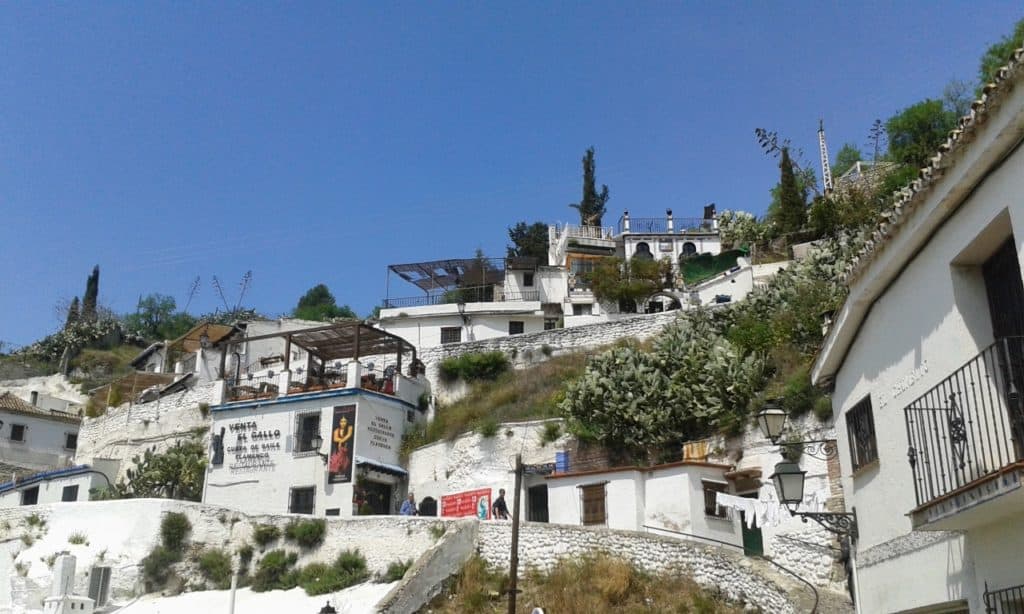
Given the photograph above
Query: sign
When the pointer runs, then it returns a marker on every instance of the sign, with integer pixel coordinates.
(470, 503)
(253, 447)
(382, 435)
(339, 464)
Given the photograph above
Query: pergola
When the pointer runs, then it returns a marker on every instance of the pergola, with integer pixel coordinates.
(340, 341)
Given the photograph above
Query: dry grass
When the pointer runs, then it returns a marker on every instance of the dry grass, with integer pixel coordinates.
(517, 395)
(598, 584)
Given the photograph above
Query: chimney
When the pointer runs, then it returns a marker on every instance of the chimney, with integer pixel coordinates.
(34, 397)
(668, 220)
(625, 221)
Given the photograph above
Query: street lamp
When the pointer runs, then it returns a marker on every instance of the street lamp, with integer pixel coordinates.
(772, 422)
(317, 442)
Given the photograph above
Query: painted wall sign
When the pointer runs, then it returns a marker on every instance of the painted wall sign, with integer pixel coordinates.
(382, 434)
(253, 447)
(470, 503)
(339, 465)
(905, 383)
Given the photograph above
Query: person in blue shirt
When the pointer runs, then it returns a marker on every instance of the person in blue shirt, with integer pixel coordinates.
(409, 506)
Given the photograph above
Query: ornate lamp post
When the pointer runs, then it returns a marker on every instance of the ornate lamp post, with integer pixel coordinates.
(317, 442)
(772, 422)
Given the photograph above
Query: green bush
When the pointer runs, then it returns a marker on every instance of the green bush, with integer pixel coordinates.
(319, 579)
(396, 571)
(306, 533)
(174, 530)
(551, 432)
(475, 366)
(352, 564)
(156, 567)
(799, 395)
(275, 572)
(265, 534)
(215, 565)
(488, 427)
(244, 556)
(823, 408)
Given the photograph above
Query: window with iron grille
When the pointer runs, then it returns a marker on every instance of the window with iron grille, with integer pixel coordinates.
(550, 324)
(307, 427)
(527, 280)
(592, 497)
(860, 429)
(30, 496)
(70, 441)
(300, 500)
(515, 328)
(69, 493)
(711, 506)
(451, 334)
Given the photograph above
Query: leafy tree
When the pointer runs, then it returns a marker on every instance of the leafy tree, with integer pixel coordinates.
(73, 313)
(529, 241)
(848, 156)
(997, 55)
(318, 304)
(92, 292)
(916, 132)
(592, 206)
(619, 281)
(156, 318)
(956, 97)
(791, 212)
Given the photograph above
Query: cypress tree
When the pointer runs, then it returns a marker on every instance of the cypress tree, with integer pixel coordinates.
(592, 206)
(73, 313)
(92, 292)
(792, 211)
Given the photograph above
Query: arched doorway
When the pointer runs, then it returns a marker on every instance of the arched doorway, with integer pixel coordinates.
(689, 249)
(643, 251)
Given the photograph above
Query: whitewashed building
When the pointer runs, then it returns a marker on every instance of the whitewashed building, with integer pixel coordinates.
(314, 438)
(926, 363)
(35, 438)
(67, 485)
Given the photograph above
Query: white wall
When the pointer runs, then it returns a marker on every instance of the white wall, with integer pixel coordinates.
(624, 495)
(736, 284)
(421, 326)
(44, 442)
(264, 487)
(52, 491)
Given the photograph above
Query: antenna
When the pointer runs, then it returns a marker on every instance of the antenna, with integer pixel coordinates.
(826, 170)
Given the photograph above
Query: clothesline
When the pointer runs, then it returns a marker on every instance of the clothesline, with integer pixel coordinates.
(766, 513)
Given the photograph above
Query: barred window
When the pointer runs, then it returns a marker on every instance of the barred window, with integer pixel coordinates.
(515, 328)
(860, 430)
(592, 496)
(451, 334)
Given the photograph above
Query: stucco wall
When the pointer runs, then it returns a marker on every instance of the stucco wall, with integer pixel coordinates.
(43, 445)
(542, 545)
(51, 491)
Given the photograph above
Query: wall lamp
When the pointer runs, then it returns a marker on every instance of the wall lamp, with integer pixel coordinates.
(789, 478)
(317, 442)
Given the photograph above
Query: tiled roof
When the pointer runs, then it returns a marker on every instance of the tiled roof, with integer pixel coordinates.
(911, 196)
(14, 404)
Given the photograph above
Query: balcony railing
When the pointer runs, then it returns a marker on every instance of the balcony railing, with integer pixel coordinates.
(659, 225)
(476, 294)
(250, 387)
(588, 232)
(968, 426)
(1004, 601)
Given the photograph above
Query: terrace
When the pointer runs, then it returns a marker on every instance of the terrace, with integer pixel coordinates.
(333, 362)
(461, 280)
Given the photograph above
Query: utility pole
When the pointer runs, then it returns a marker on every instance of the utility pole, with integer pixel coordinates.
(826, 168)
(513, 565)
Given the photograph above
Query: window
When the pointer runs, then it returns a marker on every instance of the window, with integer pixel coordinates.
(550, 324)
(70, 493)
(70, 441)
(592, 497)
(307, 428)
(18, 432)
(527, 280)
(515, 328)
(585, 309)
(860, 430)
(711, 506)
(451, 334)
(301, 500)
(30, 496)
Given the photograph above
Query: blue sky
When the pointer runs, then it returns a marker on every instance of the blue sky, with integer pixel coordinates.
(319, 142)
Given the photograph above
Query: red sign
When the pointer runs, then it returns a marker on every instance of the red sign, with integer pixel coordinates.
(470, 503)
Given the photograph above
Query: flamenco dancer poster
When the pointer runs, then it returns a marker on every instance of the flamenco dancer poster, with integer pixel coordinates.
(339, 466)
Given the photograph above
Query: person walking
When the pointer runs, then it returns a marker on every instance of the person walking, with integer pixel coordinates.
(499, 510)
(409, 506)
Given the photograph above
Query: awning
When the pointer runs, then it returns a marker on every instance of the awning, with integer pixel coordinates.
(381, 467)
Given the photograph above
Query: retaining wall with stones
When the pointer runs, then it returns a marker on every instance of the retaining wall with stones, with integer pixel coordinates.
(541, 545)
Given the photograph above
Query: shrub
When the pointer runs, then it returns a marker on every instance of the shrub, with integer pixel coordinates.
(546, 350)
(174, 529)
(823, 408)
(204, 409)
(352, 565)
(156, 567)
(306, 533)
(488, 427)
(551, 432)
(244, 556)
(215, 565)
(396, 571)
(275, 572)
(474, 366)
(80, 539)
(35, 520)
(264, 534)
(319, 579)
(437, 531)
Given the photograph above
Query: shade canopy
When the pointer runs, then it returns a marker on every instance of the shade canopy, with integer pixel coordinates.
(344, 340)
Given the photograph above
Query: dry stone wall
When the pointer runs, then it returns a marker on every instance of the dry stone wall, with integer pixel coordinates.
(541, 545)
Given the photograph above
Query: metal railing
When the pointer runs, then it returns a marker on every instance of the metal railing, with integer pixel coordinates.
(308, 381)
(474, 294)
(250, 387)
(379, 380)
(1004, 601)
(969, 425)
(587, 232)
(659, 225)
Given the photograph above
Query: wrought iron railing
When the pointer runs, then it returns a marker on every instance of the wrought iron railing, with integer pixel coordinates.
(310, 381)
(659, 225)
(379, 380)
(475, 294)
(250, 386)
(1004, 601)
(969, 425)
